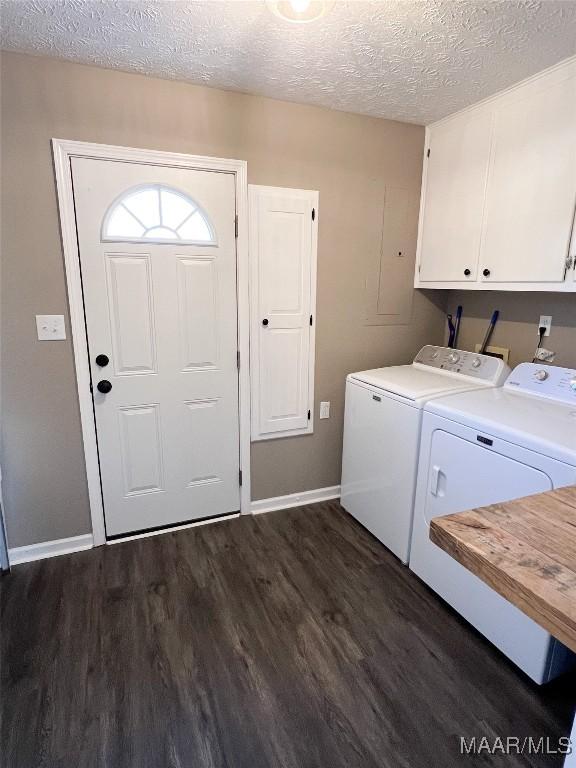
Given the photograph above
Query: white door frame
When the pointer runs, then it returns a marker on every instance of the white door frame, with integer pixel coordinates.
(63, 152)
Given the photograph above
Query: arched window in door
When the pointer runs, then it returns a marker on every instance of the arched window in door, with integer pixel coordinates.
(155, 213)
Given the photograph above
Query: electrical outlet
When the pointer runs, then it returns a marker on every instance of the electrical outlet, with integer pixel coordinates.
(545, 322)
(325, 410)
(50, 327)
(545, 354)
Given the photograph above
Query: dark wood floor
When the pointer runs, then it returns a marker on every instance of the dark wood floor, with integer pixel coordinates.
(288, 639)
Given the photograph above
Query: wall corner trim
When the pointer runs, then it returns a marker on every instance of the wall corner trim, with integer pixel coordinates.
(46, 549)
(295, 499)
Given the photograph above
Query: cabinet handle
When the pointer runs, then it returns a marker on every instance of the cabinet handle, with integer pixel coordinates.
(467, 272)
(486, 272)
(265, 321)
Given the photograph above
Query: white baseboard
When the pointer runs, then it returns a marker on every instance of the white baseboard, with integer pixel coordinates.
(44, 549)
(295, 499)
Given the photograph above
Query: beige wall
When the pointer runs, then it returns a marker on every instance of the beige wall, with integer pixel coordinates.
(517, 327)
(347, 158)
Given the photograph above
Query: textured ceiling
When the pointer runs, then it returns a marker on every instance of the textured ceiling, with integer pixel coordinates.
(405, 60)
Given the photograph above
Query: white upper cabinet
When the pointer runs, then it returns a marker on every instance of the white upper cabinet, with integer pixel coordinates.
(457, 159)
(532, 185)
(283, 240)
(499, 191)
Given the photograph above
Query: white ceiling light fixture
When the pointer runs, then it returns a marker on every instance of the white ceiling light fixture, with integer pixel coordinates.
(300, 11)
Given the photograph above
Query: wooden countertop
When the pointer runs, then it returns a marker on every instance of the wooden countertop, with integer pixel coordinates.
(525, 550)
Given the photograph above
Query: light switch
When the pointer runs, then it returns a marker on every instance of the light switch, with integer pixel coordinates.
(50, 327)
(325, 410)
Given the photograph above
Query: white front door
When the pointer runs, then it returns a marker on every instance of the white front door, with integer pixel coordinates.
(158, 260)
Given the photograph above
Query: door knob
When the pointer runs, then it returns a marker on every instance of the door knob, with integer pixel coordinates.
(265, 321)
(102, 360)
(486, 272)
(104, 386)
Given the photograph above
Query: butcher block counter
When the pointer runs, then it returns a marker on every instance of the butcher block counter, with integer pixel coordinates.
(525, 550)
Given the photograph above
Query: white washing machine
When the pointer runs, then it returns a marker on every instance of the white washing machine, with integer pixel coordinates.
(382, 433)
(481, 448)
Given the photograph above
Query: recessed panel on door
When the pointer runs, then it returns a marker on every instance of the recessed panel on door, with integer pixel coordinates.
(202, 451)
(141, 448)
(198, 304)
(131, 313)
(282, 262)
(283, 385)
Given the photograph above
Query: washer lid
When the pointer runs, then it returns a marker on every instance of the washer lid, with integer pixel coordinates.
(413, 382)
(532, 422)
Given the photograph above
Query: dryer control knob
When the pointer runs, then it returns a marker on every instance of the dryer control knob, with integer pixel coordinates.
(572, 384)
(454, 357)
(541, 375)
(476, 363)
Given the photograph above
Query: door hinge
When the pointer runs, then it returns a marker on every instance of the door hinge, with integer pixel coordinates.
(240, 476)
(236, 225)
(570, 262)
(310, 319)
(428, 152)
(309, 415)
(238, 359)
(313, 214)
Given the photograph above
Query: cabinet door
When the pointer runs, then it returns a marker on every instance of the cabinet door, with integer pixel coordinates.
(283, 237)
(532, 184)
(453, 198)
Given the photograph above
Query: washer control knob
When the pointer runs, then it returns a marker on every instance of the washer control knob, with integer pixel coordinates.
(454, 357)
(434, 354)
(476, 363)
(572, 384)
(541, 375)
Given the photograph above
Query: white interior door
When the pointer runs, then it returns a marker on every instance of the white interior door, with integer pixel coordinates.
(283, 226)
(158, 259)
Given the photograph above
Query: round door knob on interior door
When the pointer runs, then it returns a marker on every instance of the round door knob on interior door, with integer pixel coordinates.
(486, 272)
(102, 360)
(541, 375)
(104, 386)
(265, 321)
(467, 272)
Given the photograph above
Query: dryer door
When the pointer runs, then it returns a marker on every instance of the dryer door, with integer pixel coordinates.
(462, 475)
